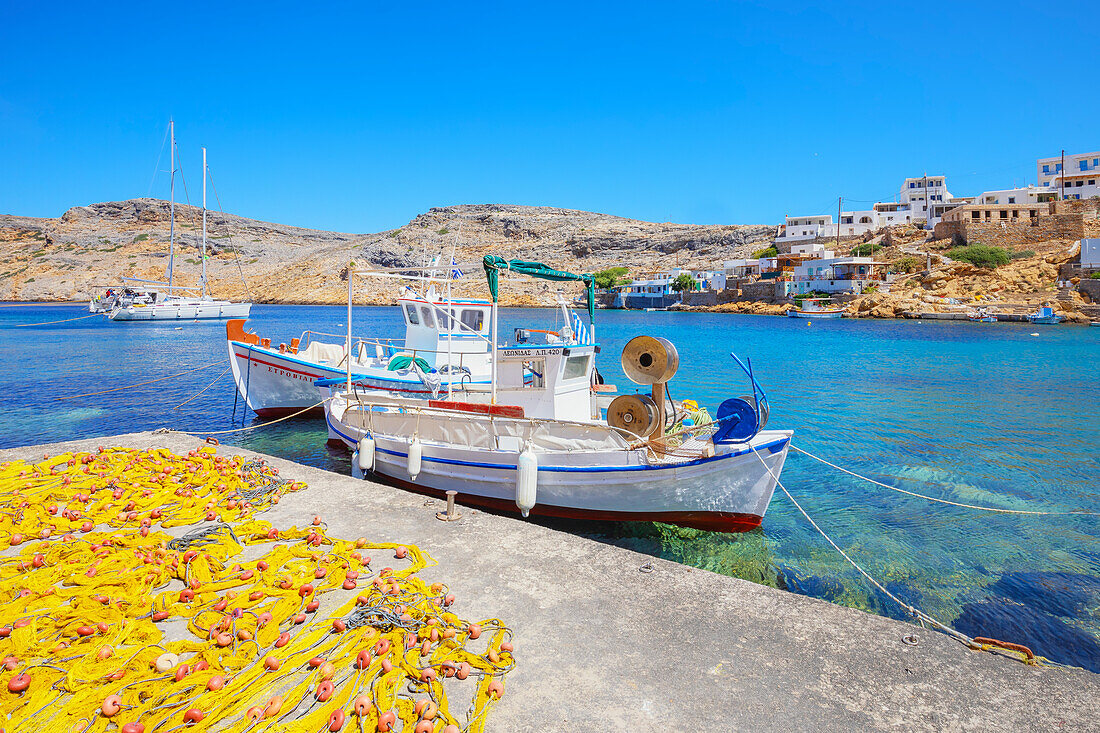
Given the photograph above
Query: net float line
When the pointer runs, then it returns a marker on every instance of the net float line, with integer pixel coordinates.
(109, 622)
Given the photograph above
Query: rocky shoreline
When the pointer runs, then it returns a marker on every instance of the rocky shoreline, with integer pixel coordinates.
(62, 259)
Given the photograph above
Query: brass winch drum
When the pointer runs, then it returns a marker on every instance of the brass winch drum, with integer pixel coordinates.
(650, 360)
(634, 412)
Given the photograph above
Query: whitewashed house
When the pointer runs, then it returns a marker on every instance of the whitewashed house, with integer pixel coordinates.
(1080, 177)
(838, 275)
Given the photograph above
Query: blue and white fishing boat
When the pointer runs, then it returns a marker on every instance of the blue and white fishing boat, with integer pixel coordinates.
(538, 442)
(816, 308)
(1045, 316)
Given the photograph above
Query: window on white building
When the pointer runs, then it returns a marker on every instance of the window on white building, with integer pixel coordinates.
(1046, 169)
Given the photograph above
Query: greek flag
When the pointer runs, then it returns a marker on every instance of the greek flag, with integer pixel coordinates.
(455, 272)
(580, 331)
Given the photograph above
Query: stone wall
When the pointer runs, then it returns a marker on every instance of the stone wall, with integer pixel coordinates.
(1014, 233)
(1089, 208)
(763, 290)
(1089, 288)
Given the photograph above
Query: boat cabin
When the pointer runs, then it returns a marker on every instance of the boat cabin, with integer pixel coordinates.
(434, 329)
(547, 381)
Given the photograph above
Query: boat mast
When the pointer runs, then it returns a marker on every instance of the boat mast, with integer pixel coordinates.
(204, 222)
(351, 274)
(172, 203)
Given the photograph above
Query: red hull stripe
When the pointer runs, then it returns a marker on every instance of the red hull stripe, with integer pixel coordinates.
(711, 521)
(315, 376)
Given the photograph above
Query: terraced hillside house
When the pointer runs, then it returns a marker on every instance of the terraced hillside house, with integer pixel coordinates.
(1080, 178)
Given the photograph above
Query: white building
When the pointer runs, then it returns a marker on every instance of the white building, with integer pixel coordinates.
(1090, 254)
(1080, 176)
(838, 275)
(921, 200)
(1024, 195)
(741, 269)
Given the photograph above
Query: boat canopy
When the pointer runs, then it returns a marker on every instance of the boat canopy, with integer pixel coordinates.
(493, 266)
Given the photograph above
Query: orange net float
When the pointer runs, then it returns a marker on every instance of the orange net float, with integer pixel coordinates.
(90, 611)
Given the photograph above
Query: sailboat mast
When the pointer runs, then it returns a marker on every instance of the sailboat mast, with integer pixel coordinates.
(172, 203)
(204, 222)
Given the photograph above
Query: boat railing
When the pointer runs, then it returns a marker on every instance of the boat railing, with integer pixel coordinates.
(389, 348)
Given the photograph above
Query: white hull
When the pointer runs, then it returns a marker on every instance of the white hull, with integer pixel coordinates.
(728, 491)
(815, 314)
(1045, 320)
(274, 383)
(182, 310)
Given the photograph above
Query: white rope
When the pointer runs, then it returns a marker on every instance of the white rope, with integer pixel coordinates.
(915, 612)
(1077, 512)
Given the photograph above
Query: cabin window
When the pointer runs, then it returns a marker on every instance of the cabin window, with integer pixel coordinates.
(473, 318)
(427, 313)
(410, 309)
(444, 319)
(576, 366)
(535, 371)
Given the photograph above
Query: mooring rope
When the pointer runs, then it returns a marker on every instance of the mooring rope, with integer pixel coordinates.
(912, 610)
(260, 425)
(979, 643)
(212, 383)
(1076, 512)
(48, 323)
(139, 384)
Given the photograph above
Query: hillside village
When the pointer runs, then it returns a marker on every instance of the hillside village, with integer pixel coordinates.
(928, 254)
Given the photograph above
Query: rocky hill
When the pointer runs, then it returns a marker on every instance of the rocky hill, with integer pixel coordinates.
(62, 258)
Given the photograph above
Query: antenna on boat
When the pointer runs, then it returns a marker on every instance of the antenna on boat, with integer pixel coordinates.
(351, 276)
(172, 202)
(204, 222)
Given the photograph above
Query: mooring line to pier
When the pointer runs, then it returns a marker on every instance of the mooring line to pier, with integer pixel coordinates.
(139, 384)
(981, 643)
(1074, 512)
(212, 383)
(48, 323)
(201, 433)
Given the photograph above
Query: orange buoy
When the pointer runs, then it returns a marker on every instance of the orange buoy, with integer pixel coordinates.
(272, 663)
(401, 552)
(312, 606)
(474, 630)
(133, 728)
(194, 715)
(273, 707)
(339, 626)
(182, 671)
(324, 691)
(316, 661)
(336, 720)
(381, 647)
(111, 706)
(215, 683)
(496, 689)
(305, 590)
(363, 705)
(464, 670)
(327, 671)
(506, 646)
(424, 726)
(386, 721)
(19, 682)
(362, 659)
(348, 584)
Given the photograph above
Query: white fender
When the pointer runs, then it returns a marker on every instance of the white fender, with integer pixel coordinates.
(366, 453)
(378, 353)
(416, 455)
(527, 479)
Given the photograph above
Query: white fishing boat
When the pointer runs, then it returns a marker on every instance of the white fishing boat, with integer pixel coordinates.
(445, 351)
(536, 442)
(1045, 316)
(816, 308)
(145, 300)
(981, 315)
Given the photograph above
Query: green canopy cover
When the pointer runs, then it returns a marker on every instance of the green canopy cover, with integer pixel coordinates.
(494, 264)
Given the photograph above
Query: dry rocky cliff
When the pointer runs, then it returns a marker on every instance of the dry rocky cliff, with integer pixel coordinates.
(61, 259)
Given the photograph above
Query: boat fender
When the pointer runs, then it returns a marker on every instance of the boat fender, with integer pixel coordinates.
(378, 353)
(416, 455)
(366, 453)
(527, 474)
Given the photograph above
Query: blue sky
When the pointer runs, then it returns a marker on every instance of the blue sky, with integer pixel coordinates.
(357, 117)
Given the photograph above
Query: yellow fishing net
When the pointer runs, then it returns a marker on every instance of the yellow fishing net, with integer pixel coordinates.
(108, 623)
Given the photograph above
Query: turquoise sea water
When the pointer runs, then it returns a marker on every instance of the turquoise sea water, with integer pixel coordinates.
(976, 413)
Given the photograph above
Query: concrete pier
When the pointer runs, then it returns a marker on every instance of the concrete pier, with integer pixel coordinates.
(601, 646)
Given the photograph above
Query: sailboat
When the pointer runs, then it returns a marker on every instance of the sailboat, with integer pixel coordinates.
(145, 300)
